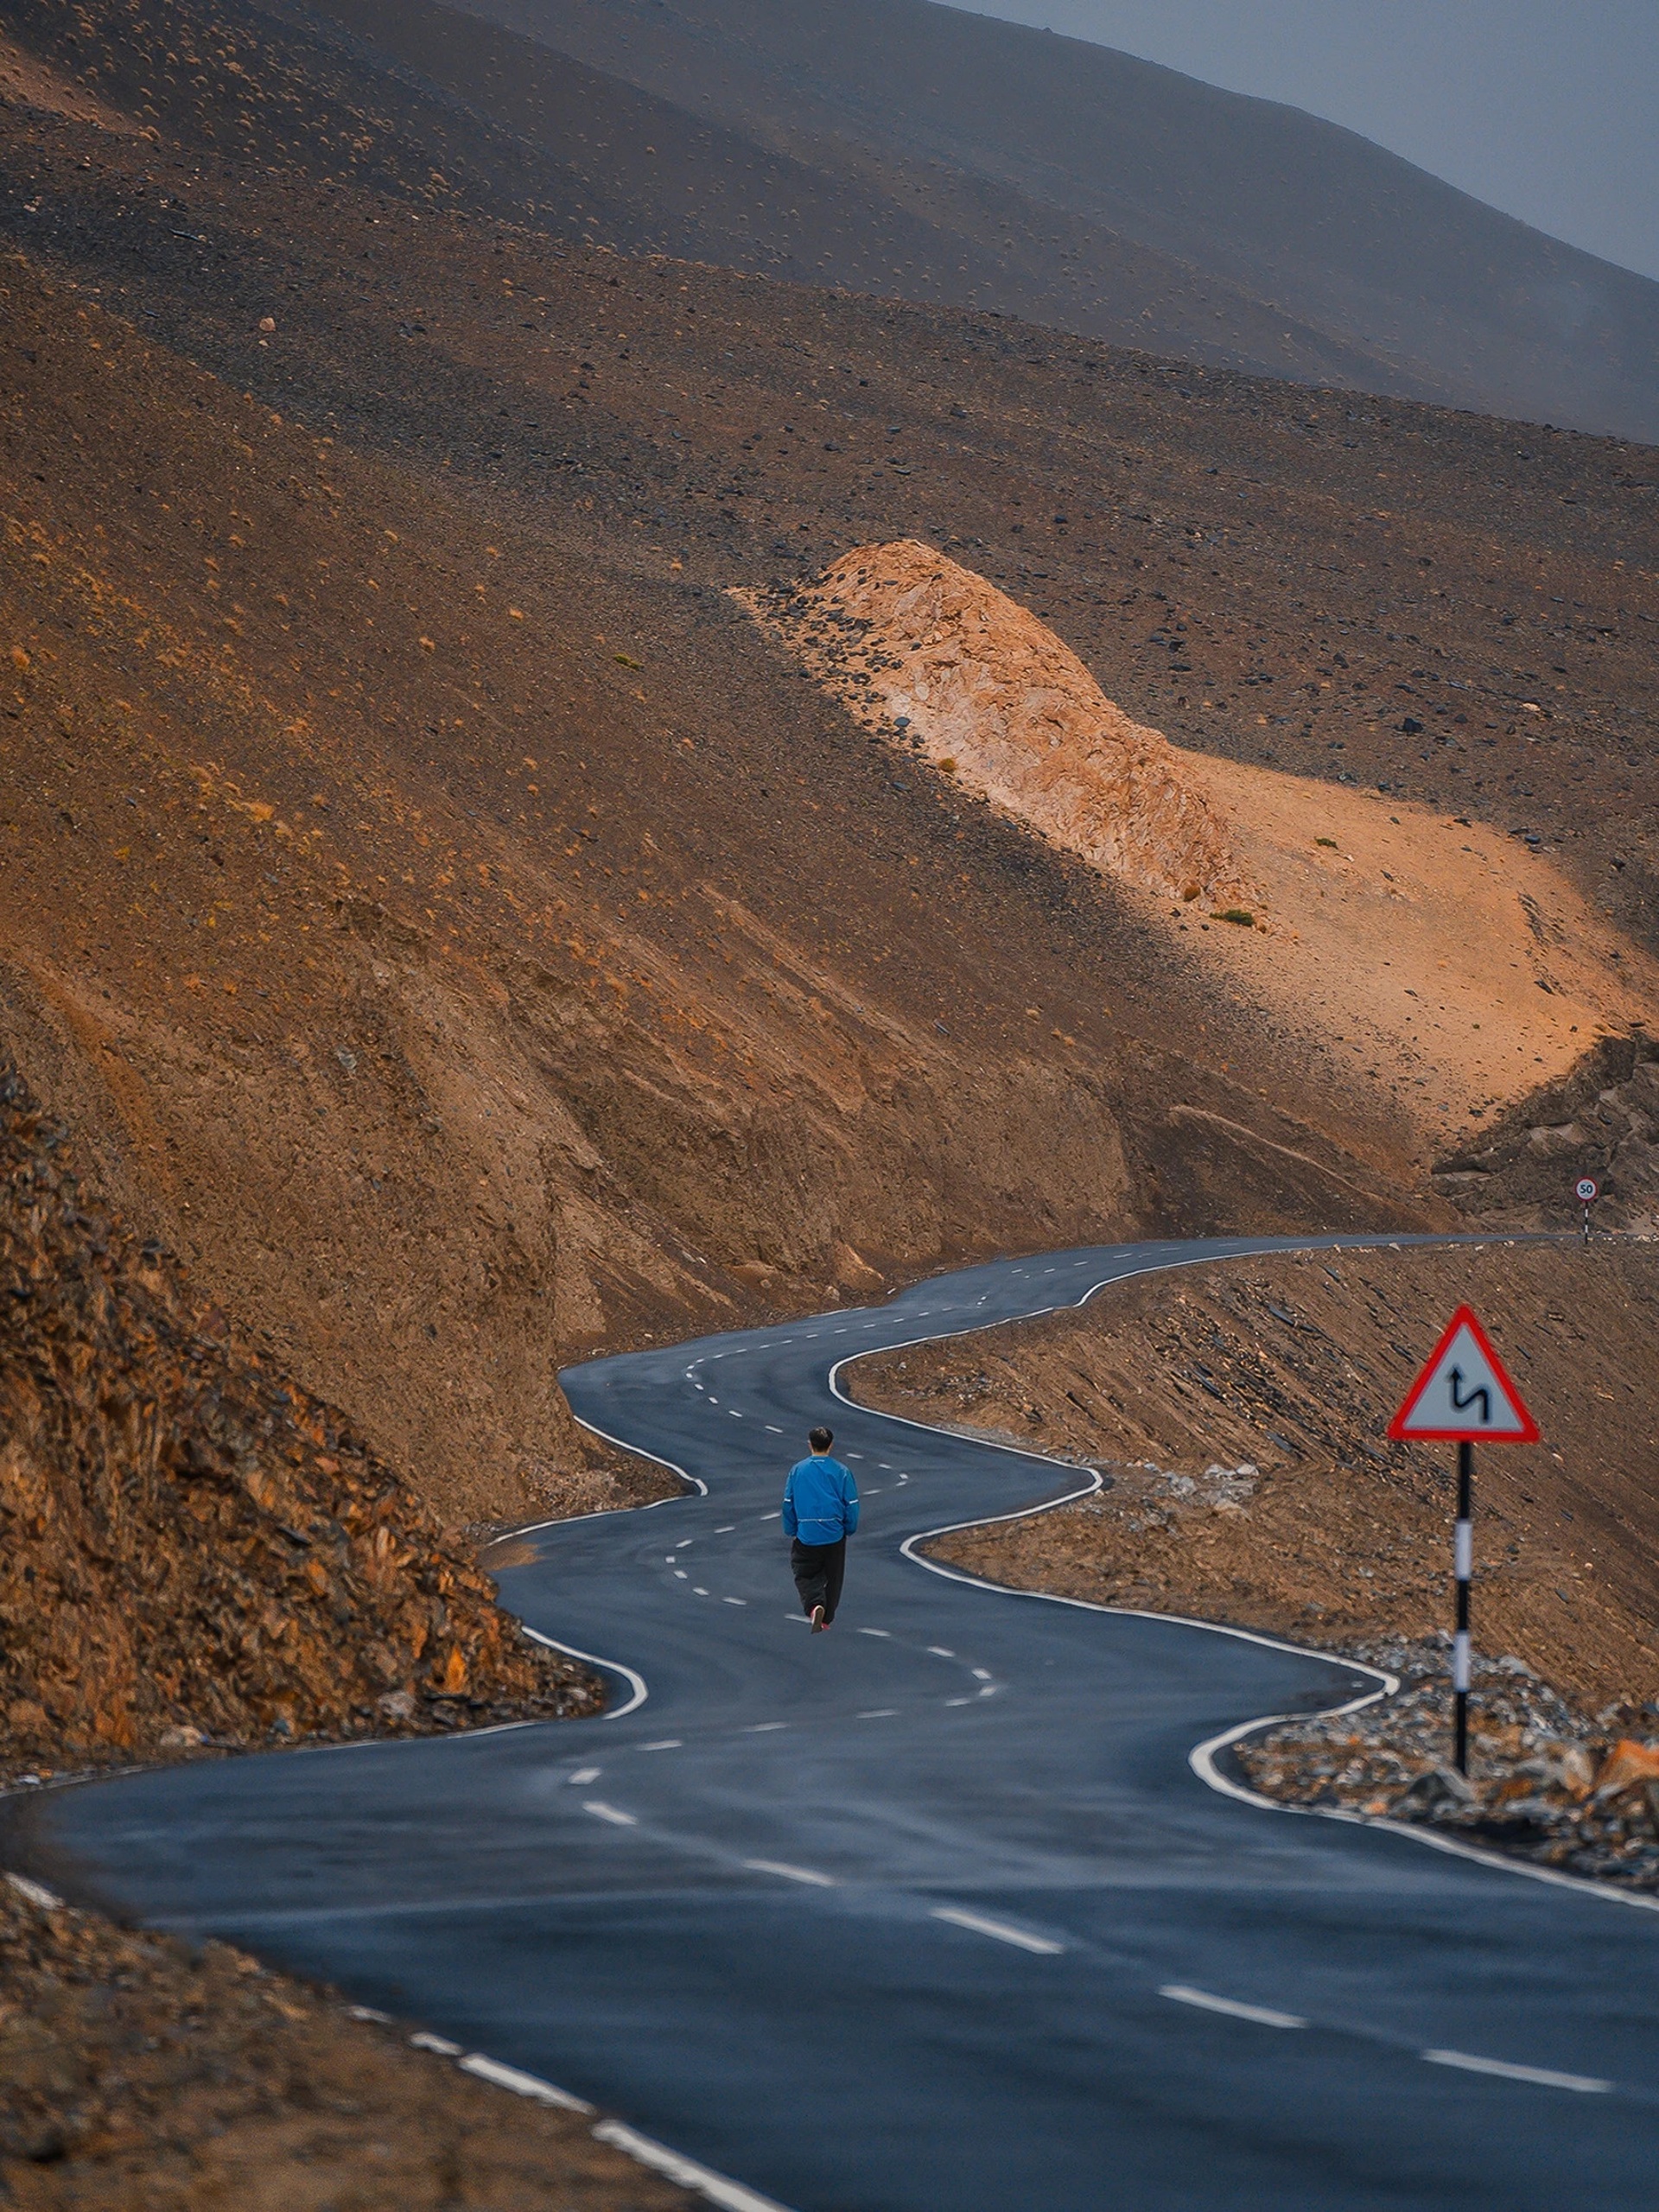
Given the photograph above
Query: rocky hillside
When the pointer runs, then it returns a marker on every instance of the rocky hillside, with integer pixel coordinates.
(937, 154)
(453, 928)
(192, 1549)
(1602, 1122)
(1457, 971)
(1241, 1409)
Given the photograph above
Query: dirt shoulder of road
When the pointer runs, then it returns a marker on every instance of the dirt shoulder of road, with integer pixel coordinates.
(138, 2075)
(1240, 1409)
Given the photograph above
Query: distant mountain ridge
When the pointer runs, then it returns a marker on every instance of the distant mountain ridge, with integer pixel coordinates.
(1113, 196)
(903, 150)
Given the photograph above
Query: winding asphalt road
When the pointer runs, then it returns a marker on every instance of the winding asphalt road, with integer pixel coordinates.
(934, 1910)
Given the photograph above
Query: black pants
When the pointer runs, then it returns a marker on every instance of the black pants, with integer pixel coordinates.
(818, 1570)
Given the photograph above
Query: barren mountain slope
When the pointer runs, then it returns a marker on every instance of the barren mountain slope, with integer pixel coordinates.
(193, 1548)
(449, 997)
(1087, 189)
(914, 151)
(1461, 968)
(458, 620)
(1251, 487)
(1240, 1410)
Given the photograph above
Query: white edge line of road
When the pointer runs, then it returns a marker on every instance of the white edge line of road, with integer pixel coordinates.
(639, 1452)
(1202, 1757)
(643, 2150)
(639, 1688)
(674, 2165)
(731, 2195)
(637, 1683)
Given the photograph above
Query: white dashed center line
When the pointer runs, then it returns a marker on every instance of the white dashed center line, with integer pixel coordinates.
(939, 1651)
(733, 1601)
(680, 1574)
(772, 1429)
(730, 1529)
(668, 1743)
(1261, 2014)
(999, 1930)
(958, 1701)
(1543, 2077)
(790, 1873)
(886, 1633)
(765, 1728)
(697, 1590)
(585, 1774)
(609, 1812)
(881, 1712)
(982, 1673)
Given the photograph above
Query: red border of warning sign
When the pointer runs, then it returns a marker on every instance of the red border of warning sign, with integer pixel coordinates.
(1526, 1434)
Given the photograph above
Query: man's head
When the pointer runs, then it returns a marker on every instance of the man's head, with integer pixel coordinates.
(821, 1440)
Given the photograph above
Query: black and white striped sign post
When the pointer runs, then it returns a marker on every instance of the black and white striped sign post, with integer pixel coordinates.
(1463, 1396)
(1586, 1191)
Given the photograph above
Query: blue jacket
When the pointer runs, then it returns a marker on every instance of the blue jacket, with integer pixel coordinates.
(820, 1501)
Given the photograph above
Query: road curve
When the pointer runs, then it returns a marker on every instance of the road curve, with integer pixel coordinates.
(931, 1911)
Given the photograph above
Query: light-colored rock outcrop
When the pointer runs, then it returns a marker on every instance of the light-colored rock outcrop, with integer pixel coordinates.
(1424, 959)
(936, 658)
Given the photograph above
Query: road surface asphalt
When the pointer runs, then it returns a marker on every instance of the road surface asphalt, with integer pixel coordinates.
(932, 1911)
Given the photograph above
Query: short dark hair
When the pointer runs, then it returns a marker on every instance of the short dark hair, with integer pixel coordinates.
(821, 1439)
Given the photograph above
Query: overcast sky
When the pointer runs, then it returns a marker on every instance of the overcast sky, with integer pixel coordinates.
(1548, 109)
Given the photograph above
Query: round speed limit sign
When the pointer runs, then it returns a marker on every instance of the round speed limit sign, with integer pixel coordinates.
(1587, 1189)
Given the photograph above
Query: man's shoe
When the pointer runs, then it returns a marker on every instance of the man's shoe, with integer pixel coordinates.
(816, 1619)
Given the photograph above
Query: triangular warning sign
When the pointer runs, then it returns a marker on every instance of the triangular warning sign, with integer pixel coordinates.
(1463, 1395)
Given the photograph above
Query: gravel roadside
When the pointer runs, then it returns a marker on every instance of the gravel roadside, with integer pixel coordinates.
(139, 2074)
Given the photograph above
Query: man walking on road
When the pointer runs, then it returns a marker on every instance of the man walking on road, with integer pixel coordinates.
(820, 1513)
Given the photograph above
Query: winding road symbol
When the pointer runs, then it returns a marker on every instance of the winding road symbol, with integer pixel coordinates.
(960, 1905)
(1463, 1394)
(1481, 1392)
